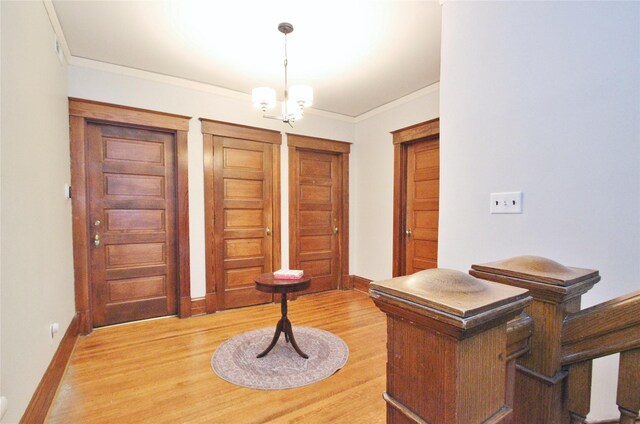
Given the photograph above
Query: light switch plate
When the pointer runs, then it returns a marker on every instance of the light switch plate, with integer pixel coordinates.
(510, 202)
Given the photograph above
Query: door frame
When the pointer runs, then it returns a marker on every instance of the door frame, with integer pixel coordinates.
(402, 138)
(210, 129)
(342, 149)
(83, 112)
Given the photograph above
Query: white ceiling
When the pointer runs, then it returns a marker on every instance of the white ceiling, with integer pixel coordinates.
(357, 55)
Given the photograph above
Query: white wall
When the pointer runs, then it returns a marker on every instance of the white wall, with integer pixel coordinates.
(149, 91)
(545, 98)
(372, 174)
(36, 245)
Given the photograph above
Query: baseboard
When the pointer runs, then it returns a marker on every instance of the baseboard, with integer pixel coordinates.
(360, 283)
(198, 306)
(346, 282)
(612, 421)
(42, 399)
(184, 310)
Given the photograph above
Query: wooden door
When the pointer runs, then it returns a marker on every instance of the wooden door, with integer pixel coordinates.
(423, 191)
(317, 218)
(132, 223)
(242, 219)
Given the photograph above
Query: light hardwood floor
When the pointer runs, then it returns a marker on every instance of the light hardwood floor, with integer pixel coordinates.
(159, 371)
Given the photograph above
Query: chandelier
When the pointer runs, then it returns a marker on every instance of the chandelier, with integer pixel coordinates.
(295, 99)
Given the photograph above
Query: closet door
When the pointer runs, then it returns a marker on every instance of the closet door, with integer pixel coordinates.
(317, 217)
(319, 210)
(242, 213)
(423, 191)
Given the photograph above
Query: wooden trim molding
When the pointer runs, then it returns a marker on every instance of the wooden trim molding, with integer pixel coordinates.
(360, 283)
(42, 398)
(184, 255)
(416, 132)
(341, 148)
(227, 129)
(210, 296)
(99, 111)
(401, 140)
(319, 144)
(82, 112)
(211, 129)
(198, 306)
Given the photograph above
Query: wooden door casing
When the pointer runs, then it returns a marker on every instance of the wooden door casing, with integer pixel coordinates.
(423, 183)
(318, 211)
(82, 114)
(132, 201)
(242, 212)
(423, 191)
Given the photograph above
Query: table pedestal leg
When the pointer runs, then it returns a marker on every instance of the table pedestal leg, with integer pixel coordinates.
(276, 336)
(284, 325)
(289, 332)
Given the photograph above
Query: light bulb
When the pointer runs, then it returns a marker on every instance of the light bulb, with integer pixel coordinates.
(264, 98)
(302, 94)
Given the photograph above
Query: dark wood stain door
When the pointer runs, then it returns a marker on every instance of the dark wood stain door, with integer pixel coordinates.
(423, 191)
(243, 219)
(132, 223)
(318, 218)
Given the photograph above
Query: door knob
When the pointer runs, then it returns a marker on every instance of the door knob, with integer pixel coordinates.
(408, 232)
(268, 231)
(96, 239)
(335, 230)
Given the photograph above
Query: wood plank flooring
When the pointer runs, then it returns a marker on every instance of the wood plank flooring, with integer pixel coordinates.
(159, 371)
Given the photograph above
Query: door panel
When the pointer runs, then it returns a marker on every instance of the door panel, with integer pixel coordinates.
(318, 215)
(134, 220)
(423, 191)
(242, 184)
(131, 189)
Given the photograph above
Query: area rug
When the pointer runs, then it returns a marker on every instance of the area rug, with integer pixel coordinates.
(235, 360)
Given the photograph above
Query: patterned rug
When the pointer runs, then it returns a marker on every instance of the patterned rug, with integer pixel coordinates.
(235, 360)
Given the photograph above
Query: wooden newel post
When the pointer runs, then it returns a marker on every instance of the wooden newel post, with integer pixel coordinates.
(446, 346)
(556, 291)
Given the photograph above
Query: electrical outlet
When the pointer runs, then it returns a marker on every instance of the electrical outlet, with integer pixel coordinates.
(510, 202)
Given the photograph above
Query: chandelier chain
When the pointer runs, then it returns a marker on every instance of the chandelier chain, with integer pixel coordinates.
(286, 86)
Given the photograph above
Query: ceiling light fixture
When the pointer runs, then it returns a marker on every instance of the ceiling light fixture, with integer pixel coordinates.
(295, 100)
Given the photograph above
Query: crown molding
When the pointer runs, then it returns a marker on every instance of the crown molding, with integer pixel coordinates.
(402, 100)
(57, 28)
(97, 65)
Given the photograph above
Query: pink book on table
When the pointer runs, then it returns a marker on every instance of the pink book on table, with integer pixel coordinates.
(288, 274)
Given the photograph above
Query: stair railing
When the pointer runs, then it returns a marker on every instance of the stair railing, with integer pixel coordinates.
(602, 330)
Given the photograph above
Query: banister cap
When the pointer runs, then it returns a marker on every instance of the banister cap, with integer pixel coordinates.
(538, 269)
(449, 291)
